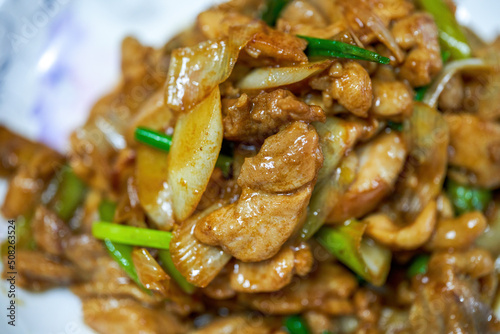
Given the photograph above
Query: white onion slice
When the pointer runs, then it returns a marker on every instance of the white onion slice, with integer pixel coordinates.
(195, 148)
(432, 95)
(271, 77)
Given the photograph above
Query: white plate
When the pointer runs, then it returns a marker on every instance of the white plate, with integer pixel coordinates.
(57, 59)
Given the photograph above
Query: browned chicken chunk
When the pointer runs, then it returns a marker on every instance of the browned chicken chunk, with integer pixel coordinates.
(277, 184)
(253, 119)
(110, 315)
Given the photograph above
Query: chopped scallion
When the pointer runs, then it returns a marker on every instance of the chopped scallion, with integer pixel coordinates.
(451, 35)
(329, 48)
(295, 324)
(153, 138)
(418, 266)
(69, 195)
(467, 198)
(130, 235)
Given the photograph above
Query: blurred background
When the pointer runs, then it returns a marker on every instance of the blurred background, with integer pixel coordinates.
(58, 56)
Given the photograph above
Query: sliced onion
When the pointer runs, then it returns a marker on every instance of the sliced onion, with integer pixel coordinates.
(362, 255)
(432, 95)
(271, 77)
(337, 136)
(427, 136)
(197, 262)
(195, 147)
(151, 164)
(155, 195)
(150, 273)
(377, 260)
(195, 71)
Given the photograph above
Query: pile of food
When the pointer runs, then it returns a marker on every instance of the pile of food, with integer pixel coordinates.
(304, 166)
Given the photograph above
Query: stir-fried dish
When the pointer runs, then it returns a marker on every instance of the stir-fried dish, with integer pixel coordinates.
(305, 166)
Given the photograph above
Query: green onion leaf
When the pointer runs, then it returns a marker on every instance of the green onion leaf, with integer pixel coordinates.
(224, 163)
(363, 256)
(123, 255)
(295, 324)
(451, 35)
(445, 56)
(130, 235)
(153, 138)
(273, 10)
(395, 126)
(69, 195)
(119, 252)
(418, 266)
(420, 93)
(168, 265)
(329, 48)
(467, 198)
(107, 210)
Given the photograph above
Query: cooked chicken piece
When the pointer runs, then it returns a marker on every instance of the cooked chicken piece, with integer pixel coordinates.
(318, 19)
(449, 299)
(220, 288)
(459, 232)
(216, 23)
(254, 228)
(388, 10)
(485, 96)
(375, 172)
(236, 324)
(17, 151)
(121, 315)
(266, 47)
(109, 280)
(326, 290)
(277, 184)
(418, 33)
(33, 165)
(392, 100)
(49, 231)
(303, 259)
(319, 323)
(271, 47)
(302, 12)
(35, 271)
(380, 11)
(351, 87)
(473, 150)
(394, 321)
(368, 307)
(76, 245)
(273, 274)
(265, 276)
(453, 94)
(254, 119)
